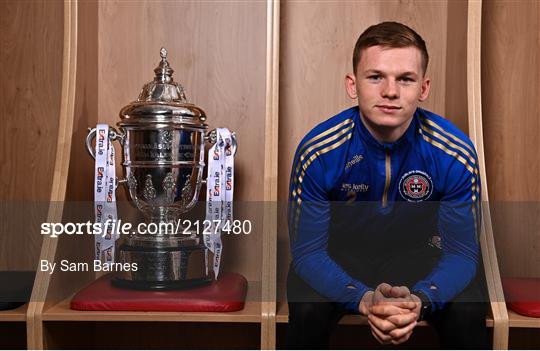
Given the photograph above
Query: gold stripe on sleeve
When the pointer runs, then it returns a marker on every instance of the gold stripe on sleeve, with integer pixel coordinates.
(319, 144)
(449, 152)
(317, 154)
(450, 143)
(458, 140)
(471, 161)
(467, 152)
(306, 165)
(323, 134)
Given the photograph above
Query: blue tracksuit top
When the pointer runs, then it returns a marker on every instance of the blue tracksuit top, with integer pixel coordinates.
(433, 165)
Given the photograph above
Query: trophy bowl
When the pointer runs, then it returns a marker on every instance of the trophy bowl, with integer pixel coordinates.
(163, 140)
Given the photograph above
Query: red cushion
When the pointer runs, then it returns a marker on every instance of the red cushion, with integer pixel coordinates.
(523, 295)
(226, 294)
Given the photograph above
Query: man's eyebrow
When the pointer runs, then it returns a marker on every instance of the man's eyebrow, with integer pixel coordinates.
(371, 71)
(404, 74)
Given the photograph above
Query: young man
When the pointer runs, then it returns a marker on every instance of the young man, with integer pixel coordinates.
(384, 210)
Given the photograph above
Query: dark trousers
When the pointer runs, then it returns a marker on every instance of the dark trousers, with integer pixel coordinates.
(460, 324)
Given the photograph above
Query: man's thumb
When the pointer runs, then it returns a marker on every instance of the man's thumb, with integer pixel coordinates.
(385, 289)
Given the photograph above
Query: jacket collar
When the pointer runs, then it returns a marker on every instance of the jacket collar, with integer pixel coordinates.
(405, 139)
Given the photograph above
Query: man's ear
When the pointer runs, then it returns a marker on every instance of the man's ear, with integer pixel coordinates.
(350, 86)
(426, 84)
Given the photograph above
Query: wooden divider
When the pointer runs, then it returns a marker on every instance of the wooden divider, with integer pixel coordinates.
(268, 327)
(61, 166)
(487, 244)
(31, 82)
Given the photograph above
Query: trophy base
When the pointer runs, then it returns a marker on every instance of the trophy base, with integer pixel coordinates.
(161, 286)
(175, 265)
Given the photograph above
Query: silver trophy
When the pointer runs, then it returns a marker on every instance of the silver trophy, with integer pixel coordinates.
(163, 139)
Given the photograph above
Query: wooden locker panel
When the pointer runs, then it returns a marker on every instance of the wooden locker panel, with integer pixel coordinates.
(218, 52)
(510, 91)
(31, 75)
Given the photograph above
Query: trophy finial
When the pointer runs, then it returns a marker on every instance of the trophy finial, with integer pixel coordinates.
(163, 70)
(163, 53)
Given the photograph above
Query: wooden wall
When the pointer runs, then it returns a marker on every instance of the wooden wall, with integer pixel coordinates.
(316, 53)
(511, 109)
(30, 76)
(218, 52)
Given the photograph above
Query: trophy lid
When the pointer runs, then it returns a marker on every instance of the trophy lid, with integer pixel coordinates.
(162, 101)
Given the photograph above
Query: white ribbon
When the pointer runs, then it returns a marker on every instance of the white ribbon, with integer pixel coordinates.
(219, 195)
(104, 195)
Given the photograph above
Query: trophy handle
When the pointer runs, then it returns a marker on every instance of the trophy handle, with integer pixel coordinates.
(113, 135)
(91, 136)
(211, 137)
(234, 142)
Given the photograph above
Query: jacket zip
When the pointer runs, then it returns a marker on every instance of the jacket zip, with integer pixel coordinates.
(388, 166)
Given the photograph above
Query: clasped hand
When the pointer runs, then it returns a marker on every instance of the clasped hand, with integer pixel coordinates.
(392, 313)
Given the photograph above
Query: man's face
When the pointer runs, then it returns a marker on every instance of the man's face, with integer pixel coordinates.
(389, 84)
